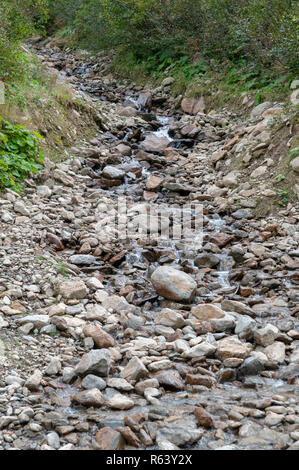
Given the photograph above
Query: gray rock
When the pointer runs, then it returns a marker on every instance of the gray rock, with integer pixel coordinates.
(53, 440)
(92, 381)
(72, 289)
(92, 397)
(170, 380)
(167, 81)
(140, 387)
(120, 402)
(20, 208)
(251, 366)
(145, 100)
(171, 318)
(223, 324)
(179, 436)
(95, 362)
(134, 370)
(295, 164)
(44, 191)
(242, 214)
(200, 350)
(112, 172)
(177, 187)
(120, 384)
(208, 260)
(245, 327)
(54, 367)
(82, 260)
(266, 336)
(259, 109)
(68, 375)
(39, 321)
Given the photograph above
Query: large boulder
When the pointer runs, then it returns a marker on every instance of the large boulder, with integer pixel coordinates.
(173, 284)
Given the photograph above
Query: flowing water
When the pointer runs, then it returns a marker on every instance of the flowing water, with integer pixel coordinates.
(181, 254)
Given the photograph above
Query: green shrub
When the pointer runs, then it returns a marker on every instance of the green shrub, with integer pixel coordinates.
(19, 155)
(264, 32)
(18, 20)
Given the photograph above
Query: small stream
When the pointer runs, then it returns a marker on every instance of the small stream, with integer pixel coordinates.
(138, 264)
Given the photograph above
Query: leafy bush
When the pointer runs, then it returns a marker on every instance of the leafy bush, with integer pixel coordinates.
(18, 19)
(19, 155)
(260, 31)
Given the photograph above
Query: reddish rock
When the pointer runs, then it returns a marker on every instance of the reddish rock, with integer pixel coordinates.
(226, 375)
(220, 239)
(218, 156)
(231, 143)
(118, 258)
(109, 439)
(55, 241)
(265, 235)
(129, 436)
(198, 379)
(134, 421)
(203, 417)
(246, 291)
(109, 183)
(149, 196)
(100, 337)
(202, 327)
(231, 347)
(206, 312)
(154, 183)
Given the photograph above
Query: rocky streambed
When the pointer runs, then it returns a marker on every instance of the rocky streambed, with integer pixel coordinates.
(148, 342)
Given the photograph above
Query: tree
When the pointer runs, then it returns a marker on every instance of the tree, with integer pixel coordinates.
(18, 19)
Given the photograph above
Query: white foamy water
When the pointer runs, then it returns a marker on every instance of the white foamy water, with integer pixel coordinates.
(134, 101)
(163, 131)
